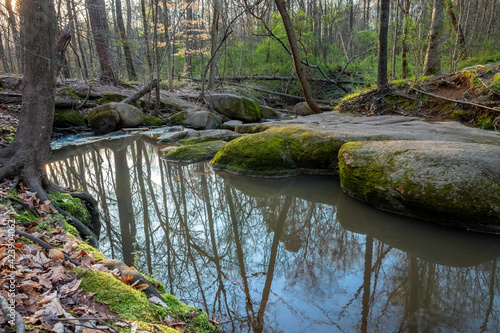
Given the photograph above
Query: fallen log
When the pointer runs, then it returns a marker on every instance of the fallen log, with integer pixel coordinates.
(300, 98)
(11, 98)
(281, 78)
(147, 88)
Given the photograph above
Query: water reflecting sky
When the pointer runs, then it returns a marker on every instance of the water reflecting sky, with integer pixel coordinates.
(287, 255)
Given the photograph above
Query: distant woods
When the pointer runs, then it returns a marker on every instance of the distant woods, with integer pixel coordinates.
(118, 40)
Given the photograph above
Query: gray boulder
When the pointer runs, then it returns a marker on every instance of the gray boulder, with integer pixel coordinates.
(268, 112)
(196, 120)
(113, 116)
(302, 109)
(231, 125)
(450, 183)
(236, 107)
(193, 137)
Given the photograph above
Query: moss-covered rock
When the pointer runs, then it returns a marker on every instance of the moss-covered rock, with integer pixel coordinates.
(73, 206)
(103, 120)
(68, 117)
(111, 98)
(196, 152)
(449, 183)
(193, 137)
(231, 125)
(153, 121)
(236, 107)
(280, 151)
(268, 112)
(196, 120)
(134, 305)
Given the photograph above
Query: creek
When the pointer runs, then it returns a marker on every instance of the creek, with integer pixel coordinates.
(282, 255)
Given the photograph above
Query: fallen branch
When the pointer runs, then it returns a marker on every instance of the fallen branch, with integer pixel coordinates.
(456, 101)
(99, 320)
(147, 88)
(301, 98)
(45, 245)
(86, 98)
(280, 78)
(6, 309)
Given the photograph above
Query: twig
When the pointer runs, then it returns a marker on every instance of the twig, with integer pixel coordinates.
(86, 98)
(14, 184)
(456, 101)
(6, 309)
(99, 320)
(45, 245)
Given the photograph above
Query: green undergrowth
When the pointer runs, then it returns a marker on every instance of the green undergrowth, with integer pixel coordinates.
(133, 305)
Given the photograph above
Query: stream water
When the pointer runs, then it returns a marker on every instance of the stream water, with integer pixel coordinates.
(282, 255)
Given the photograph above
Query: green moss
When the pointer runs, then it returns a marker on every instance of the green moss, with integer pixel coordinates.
(96, 254)
(153, 121)
(111, 97)
(73, 206)
(196, 152)
(178, 118)
(70, 229)
(158, 284)
(279, 151)
(132, 304)
(253, 107)
(64, 118)
(71, 93)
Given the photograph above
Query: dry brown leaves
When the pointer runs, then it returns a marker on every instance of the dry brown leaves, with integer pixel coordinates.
(46, 294)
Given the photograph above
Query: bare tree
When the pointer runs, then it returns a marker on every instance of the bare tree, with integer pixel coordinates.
(382, 44)
(132, 76)
(296, 56)
(100, 31)
(432, 62)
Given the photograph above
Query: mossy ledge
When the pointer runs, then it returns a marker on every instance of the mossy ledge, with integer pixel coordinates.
(134, 305)
(449, 183)
(278, 152)
(195, 153)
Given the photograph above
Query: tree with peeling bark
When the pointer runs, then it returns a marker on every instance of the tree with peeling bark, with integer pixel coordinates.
(280, 4)
(25, 158)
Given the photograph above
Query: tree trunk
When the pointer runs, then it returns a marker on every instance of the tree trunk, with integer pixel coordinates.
(145, 27)
(214, 34)
(382, 44)
(432, 62)
(75, 36)
(3, 57)
(188, 70)
(15, 35)
(404, 44)
(100, 31)
(27, 154)
(457, 28)
(395, 43)
(132, 76)
(296, 56)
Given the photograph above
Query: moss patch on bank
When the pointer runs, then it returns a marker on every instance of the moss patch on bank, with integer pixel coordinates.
(132, 304)
(195, 152)
(73, 206)
(280, 151)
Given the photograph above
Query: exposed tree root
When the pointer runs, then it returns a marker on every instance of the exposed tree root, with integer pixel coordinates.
(44, 245)
(36, 181)
(20, 328)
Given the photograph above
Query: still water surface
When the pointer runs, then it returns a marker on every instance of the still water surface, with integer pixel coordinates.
(287, 255)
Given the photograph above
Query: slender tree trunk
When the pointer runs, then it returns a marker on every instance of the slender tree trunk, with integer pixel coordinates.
(129, 18)
(296, 56)
(132, 76)
(145, 27)
(3, 57)
(188, 70)
(382, 44)
(404, 39)
(100, 31)
(457, 27)
(15, 35)
(432, 62)
(395, 42)
(214, 34)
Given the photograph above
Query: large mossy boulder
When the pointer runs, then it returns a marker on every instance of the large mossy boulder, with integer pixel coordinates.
(450, 183)
(193, 137)
(68, 117)
(236, 107)
(280, 151)
(113, 116)
(195, 153)
(196, 120)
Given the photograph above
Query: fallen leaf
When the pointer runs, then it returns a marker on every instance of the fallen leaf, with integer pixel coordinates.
(56, 254)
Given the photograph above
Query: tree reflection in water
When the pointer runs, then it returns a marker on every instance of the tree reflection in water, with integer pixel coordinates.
(288, 255)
